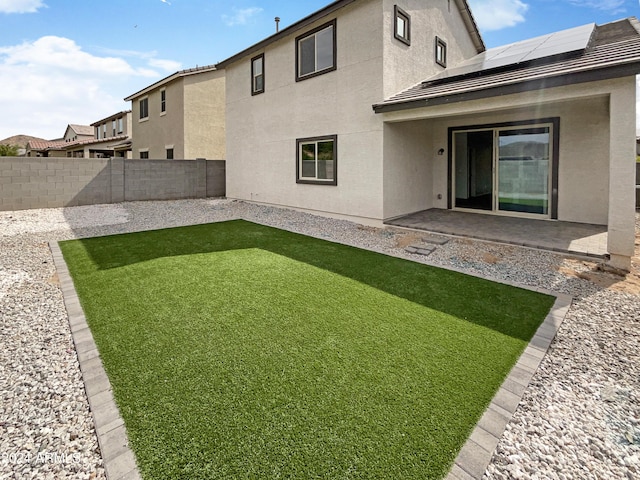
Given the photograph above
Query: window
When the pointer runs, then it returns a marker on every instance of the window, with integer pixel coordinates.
(317, 160)
(441, 52)
(104, 130)
(257, 74)
(113, 128)
(144, 153)
(163, 101)
(144, 108)
(316, 52)
(402, 27)
(169, 153)
(120, 125)
(97, 133)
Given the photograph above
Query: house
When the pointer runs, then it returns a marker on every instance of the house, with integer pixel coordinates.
(75, 133)
(181, 116)
(375, 109)
(109, 138)
(46, 148)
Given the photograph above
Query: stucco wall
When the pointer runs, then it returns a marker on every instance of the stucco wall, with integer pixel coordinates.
(204, 122)
(262, 129)
(408, 168)
(51, 182)
(406, 65)
(160, 130)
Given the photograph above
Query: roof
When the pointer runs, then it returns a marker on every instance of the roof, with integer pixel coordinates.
(90, 141)
(170, 78)
(463, 6)
(110, 117)
(614, 51)
(81, 129)
(45, 144)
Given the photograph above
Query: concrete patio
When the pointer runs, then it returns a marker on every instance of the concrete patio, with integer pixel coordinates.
(566, 237)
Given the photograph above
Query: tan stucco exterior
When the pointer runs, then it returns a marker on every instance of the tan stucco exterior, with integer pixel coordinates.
(193, 124)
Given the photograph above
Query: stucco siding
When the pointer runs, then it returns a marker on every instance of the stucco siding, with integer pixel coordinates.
(204, 126)
(407, 65)
(262, 129)
(408, 168)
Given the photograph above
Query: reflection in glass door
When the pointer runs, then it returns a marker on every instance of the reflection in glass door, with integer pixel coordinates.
(523, 170)
(503, 169)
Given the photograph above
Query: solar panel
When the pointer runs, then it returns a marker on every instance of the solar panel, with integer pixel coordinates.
(557, 43)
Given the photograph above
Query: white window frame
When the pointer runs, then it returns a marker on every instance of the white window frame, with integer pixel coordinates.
(163, 101)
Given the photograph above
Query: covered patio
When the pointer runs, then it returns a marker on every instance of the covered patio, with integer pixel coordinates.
(565, 237)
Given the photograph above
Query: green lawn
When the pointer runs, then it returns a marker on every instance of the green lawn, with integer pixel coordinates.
(242, 351)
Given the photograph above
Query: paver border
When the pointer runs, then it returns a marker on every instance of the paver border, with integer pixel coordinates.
(472, 460)
(475, 456)
(119, 460)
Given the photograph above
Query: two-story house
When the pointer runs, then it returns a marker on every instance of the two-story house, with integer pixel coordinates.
(181, 116)
(375, 109)
(111, 138)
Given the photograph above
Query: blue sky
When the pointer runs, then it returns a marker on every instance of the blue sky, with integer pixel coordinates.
(72, 61)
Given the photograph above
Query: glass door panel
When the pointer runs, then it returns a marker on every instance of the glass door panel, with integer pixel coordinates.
(523, 170)
(474, 170)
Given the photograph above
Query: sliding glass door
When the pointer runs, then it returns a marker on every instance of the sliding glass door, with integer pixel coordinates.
(505, 169)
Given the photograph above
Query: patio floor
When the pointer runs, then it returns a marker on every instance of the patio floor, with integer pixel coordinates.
(567, 237)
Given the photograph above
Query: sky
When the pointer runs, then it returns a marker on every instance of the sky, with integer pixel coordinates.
(74, 61)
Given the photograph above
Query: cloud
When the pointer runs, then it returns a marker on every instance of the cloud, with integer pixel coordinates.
(20, 6)
(498, 14)
(50, 82)
(241, 16)
(613, 7)
(149, 57)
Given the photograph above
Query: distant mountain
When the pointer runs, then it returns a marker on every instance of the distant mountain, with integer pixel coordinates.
(525, 149)
(20, 140)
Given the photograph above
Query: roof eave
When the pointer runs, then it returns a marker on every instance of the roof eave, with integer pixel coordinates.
(169, 79)
(299, 25)
(593, 75)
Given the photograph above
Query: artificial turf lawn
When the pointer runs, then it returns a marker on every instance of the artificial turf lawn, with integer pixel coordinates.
(237, 350)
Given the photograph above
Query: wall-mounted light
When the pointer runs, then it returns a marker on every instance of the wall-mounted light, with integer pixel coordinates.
(441, 151)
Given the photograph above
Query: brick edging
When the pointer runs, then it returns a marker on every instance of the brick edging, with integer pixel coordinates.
(474, 457)
(119, 460)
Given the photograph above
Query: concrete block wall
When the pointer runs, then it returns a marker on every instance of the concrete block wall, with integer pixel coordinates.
(61, 182)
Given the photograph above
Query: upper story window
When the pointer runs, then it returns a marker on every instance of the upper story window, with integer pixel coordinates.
(317, 160)
(163, 101)
(257, 74)
(441, 52)
(316, 51)
(402, 27)
(104, 130)
(113, 128)
(97, 132)
(120, 125)
(144, 108)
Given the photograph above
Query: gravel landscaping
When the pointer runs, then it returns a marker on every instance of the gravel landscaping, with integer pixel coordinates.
(579, 418)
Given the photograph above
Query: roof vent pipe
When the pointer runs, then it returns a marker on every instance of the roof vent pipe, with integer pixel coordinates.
(277, 24)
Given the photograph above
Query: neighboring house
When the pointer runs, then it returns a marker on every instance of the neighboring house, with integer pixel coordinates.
(46, 148)
(77, 133)
(109, 138)
(540, 129)
(181, 116)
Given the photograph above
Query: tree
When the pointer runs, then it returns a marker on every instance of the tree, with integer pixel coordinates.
(8, 151)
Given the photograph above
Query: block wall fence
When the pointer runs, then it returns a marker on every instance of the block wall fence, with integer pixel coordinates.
(39, 182)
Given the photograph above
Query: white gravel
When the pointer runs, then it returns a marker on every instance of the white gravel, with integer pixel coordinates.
(579, 418)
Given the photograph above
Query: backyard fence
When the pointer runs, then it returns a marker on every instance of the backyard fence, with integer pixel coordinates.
(39, 182)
